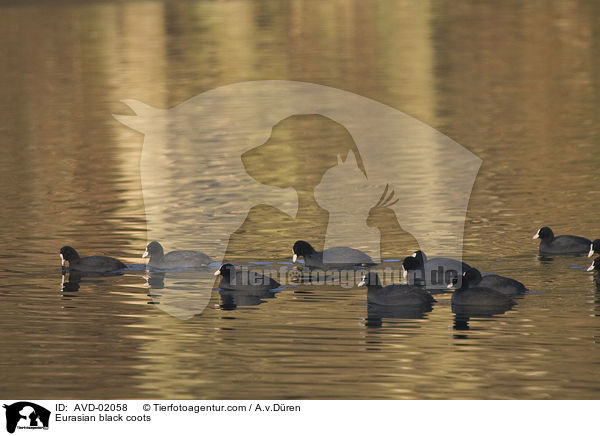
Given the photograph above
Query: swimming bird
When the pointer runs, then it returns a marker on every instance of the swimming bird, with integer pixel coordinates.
(564, 244)
(90, 263)
(330, 258)
(451, 263)
(441, 270)
(394, 295)
(499, 283)
(244, 280)
(174, 259)
(469, 294)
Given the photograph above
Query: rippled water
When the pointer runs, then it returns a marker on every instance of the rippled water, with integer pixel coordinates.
(516, 84)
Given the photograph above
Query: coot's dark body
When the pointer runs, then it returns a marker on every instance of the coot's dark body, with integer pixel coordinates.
(89, 263)
(435, 273)
(395, 295)
(174, 259)
(472, 295)
(244, 280)
(564, 244)
(335, 257)
(450, 263)
(506, 285)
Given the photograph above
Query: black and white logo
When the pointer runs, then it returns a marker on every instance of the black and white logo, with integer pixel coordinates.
(26, 415)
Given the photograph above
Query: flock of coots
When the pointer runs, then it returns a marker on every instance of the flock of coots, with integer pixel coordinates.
(471, 288)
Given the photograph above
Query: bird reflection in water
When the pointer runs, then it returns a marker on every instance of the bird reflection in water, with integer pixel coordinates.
(187, 293)
(462, 314)
(376, 313)
(181, 293)
(231, 300)
(70, 280)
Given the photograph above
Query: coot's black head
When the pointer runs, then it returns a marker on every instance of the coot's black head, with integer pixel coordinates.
(595, 265)
(413, 271)
(469, 278)
(302, 248)
(370, 279)
(545, 234)
(411, 263)
(420, 256)
(68, 254)
(595, 249)
(153, 249)
(226, 270)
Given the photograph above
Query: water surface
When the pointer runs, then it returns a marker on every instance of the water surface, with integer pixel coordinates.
(517, 84)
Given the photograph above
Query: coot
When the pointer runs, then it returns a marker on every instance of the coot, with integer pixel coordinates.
(330, 258)
(90, 263)
(505, 285)
(499, 283)
(244, 280)
(437, 272)
(564, 244)
(394, 295)
(174, 259)
(469, 294)
(450, 263)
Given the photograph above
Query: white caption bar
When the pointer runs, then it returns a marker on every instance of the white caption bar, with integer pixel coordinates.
(264, 417)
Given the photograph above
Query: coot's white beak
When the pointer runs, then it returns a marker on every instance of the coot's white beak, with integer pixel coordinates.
(537, 235)
(145, 254)
(414, 254)
(591, 253)
(591, 268)
(361, 283)
(294, 258)
(62, 260)
(450, 286)
(217, 272)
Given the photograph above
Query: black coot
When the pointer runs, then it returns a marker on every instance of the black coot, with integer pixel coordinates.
(564, 244)
(450, 263)
(471, 295)
(244, 280)
(395, 295)
(174, 259)
(335, 257)
(505, 285)
(90, 263)
(437, 272)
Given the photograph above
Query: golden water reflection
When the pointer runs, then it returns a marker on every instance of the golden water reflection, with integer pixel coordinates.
(518, 84)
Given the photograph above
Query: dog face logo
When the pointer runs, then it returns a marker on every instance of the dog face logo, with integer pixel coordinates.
(24, 414)
(302, 161)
